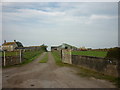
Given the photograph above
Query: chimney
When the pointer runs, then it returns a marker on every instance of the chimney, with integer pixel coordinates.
(4, 41)
(14, 40)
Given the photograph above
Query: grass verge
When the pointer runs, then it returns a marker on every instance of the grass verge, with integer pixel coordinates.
(90, 73)
(29, 56)
(9, 53)
(0, 54)
(84, 72)
(57, 58)
(45, 59)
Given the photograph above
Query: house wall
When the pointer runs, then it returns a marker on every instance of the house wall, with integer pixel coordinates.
(9, 47)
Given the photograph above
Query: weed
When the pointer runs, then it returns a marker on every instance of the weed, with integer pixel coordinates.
(45, 59)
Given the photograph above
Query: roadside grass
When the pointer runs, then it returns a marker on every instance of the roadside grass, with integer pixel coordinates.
(91, 53)
(45, 59)
(84, 72)
(0, 54)
(57, 58)
(8, 53)
(29, 56)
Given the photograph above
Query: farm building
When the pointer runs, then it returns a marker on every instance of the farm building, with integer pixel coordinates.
(67, 46)
(29, 48)
(53, 48)
(10, 46)
(63, 46)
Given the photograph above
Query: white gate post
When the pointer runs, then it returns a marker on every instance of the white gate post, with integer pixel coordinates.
(70, 56)
(20, 56)
(4, 59)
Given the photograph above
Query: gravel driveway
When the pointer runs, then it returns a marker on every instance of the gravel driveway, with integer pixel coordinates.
(48, 75)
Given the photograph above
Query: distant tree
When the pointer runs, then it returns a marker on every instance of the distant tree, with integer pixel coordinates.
(114, 53)
(89, 48)
(44, 47)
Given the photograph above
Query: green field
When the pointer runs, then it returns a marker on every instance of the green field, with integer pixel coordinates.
(26, 55)
(9, 53)
(0, 53)
(45, 59)
(90, 53)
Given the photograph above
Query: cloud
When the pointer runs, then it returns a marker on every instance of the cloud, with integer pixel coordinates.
(0, 23)
(34, 13)
(102, 17)
(60, 1)
(81, 24)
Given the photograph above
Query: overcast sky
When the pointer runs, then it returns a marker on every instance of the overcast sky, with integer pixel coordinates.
(86, 24)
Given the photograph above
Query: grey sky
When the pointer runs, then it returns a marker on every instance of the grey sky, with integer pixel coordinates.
(86, 24)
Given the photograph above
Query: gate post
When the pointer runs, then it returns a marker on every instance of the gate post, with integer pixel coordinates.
(4, 59)
(70, 56)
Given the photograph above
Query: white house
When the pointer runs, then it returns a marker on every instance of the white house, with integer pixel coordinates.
(10, 46)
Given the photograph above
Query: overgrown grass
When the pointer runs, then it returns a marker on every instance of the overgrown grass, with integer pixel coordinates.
(8, 53)
(90, 53)
(0, 54)
(89, 73)
(45, 59)
(57, 58)
(84, 72)
(29, 56)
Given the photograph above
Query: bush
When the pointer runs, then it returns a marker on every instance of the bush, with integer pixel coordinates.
(114, 53)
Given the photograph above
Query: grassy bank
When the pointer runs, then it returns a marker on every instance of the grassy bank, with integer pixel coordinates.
(57, 58)
(89, 73)
(29, 56)
(84, 72)
(8, 53)
(45, 59)
(0, 54)
(90, 53)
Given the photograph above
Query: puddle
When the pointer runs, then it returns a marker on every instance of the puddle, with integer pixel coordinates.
(6, 76)
(32, 85)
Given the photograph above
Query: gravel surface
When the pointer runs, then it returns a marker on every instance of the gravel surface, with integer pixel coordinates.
(48, 75)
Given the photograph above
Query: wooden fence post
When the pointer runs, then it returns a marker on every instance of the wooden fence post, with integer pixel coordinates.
(4, 59)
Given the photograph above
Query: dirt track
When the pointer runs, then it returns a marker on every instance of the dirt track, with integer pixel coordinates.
(48, 75)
